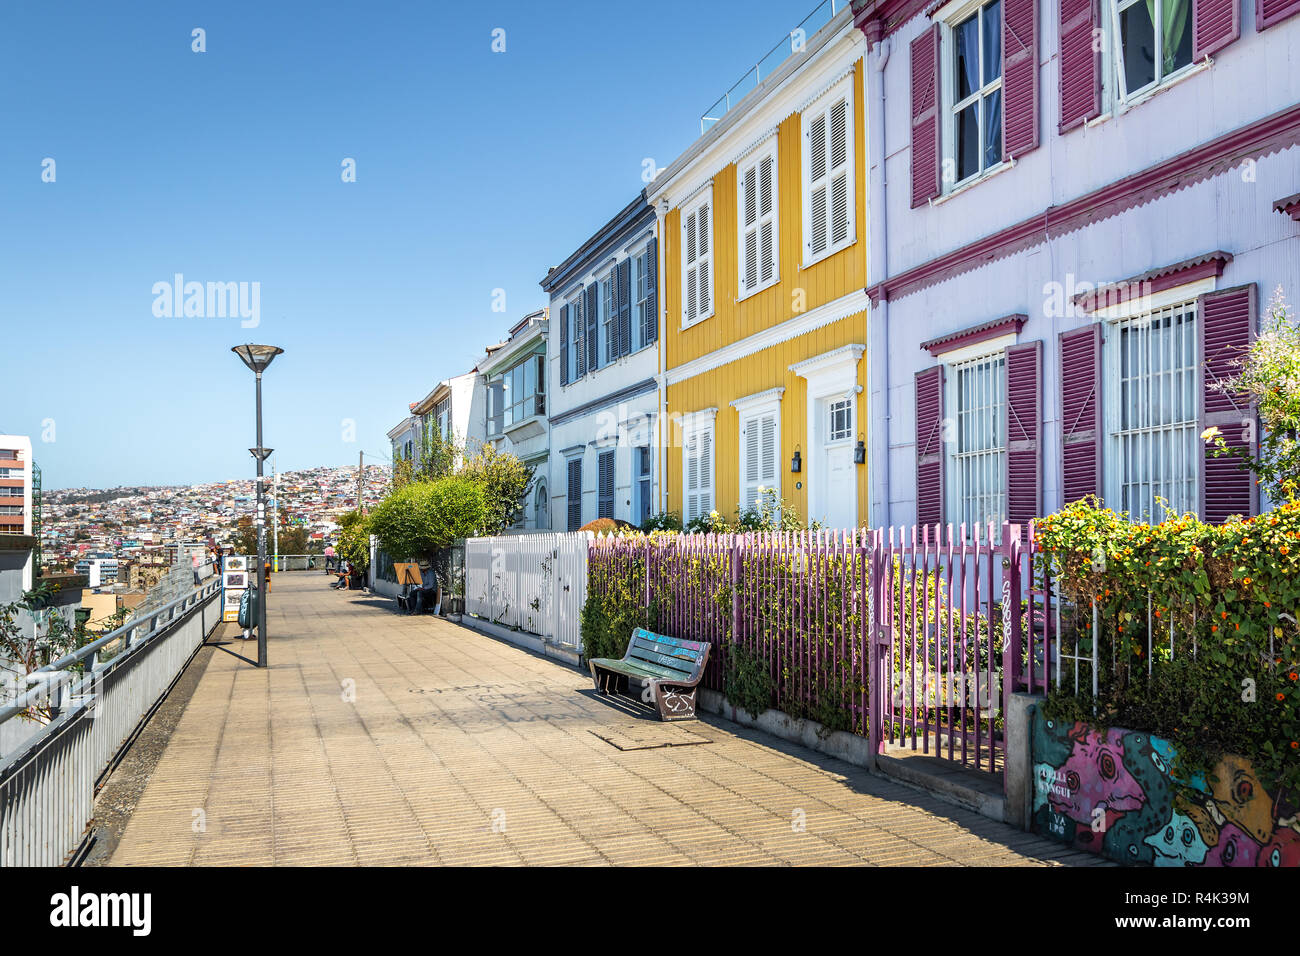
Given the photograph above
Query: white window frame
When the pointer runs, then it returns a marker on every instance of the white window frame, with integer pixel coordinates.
(1113, 56)
(753, 163)
(752, 410)
(956, 492)
(823, 106)
(705, 198)
(951, 17)
(643, 484)
(1113, 457)
(693, 426)
(607, 307)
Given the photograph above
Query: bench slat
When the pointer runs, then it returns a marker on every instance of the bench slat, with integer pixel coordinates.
(685, 668)
(696, 646)
(640, 669)
(685, 658)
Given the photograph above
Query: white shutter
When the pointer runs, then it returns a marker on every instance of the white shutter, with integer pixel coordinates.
(757, 186)
(703, 281)
(752, 465)
(691, 451)
(828, 172)
(817, 183)
(706, 468)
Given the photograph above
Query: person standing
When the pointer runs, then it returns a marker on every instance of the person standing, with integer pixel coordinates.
(196, 563)
(329, 558)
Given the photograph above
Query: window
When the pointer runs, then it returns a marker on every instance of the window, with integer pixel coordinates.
(574, 497)
(974, 92)
(1152, 419)
(1152, 41)
(697, 461)
(608, 316)
(756, 185)
(840, 424)
(759, 448)
(828, 175)
(697, 260)
(643, 483)
(496, 411)
(605, 484)
(523, 391)
(541, 506)
(977, 461)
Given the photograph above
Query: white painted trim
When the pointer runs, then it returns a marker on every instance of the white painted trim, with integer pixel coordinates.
(758, 398)
(770, 149)
(828, 362)
(841, 308)
(977, 349)
(700, 200)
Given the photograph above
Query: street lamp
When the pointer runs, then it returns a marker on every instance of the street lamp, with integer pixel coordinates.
(258, 357)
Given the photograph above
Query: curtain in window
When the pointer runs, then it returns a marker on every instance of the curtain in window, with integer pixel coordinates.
(1173, 24)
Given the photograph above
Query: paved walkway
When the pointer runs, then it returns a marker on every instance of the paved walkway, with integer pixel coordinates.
(377, 738)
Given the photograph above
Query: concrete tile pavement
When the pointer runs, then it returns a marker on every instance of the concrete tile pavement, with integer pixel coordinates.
(378, 738)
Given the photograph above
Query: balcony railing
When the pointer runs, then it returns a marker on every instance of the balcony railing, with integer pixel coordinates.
(792, 44)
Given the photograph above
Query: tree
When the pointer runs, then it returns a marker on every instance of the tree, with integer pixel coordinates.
(1270, 379)
(417, 519)
(354, 539)
(43, 643)
(505, 480)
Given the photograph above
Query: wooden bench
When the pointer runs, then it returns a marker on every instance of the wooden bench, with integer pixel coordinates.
(665, 670)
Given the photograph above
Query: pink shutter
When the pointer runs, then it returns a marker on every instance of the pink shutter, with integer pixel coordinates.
(1019, 77)
(1227, 325)
(1079, 63)
(929, 446)
(1024, 370)
(1269, 12)
(1081, 413)
(1215, 24)
(925, 117)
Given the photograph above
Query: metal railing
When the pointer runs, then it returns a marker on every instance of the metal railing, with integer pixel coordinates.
(296, 562)
(84, 707)
(823, 14)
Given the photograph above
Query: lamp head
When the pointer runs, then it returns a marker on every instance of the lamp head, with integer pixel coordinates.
(257, 357)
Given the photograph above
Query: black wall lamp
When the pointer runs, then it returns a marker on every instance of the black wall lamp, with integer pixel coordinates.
(796, 463)
(860, 452)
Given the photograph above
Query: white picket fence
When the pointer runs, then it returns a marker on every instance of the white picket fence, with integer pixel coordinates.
(534, 582)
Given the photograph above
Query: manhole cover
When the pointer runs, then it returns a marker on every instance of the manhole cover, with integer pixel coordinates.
(651, 737)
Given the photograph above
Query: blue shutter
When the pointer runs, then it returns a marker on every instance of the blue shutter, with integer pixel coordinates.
(575, 494)
(605, 476)
(652, 294)
(564, 345)
(593, 314)
(623, 301)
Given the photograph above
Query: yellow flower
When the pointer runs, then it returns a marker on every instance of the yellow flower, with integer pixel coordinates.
(1210, 433)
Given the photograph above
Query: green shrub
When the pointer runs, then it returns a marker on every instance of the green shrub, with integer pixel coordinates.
(749, 685)
(425, 515)
(1228, 592)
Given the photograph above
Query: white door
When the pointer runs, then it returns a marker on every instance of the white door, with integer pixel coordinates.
(836, 474)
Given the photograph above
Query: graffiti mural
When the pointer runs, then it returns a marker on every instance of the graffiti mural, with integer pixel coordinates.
(1112, 792)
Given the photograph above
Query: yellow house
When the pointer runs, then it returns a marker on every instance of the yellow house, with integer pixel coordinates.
(763, 227)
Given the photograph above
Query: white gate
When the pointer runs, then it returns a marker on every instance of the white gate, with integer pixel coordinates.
(532, 582)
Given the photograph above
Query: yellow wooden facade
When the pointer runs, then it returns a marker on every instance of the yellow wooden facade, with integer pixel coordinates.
(831, 279)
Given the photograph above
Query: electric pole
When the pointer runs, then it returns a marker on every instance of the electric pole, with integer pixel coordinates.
(275, 514)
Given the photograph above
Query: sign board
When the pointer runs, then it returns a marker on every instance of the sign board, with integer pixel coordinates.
(408, 574)
(234, 582)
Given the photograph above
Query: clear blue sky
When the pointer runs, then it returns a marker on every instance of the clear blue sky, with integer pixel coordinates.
(475, 170)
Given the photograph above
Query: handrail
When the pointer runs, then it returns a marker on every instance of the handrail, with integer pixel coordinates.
(29, 697)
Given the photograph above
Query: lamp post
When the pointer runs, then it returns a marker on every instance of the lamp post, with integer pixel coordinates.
(257, 358)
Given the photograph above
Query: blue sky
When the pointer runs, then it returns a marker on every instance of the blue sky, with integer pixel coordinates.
(475, 171)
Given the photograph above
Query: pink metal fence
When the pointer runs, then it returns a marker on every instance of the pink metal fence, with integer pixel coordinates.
(913, 637)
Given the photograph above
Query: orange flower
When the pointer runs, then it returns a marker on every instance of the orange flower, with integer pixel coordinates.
(1245, 581)
(1267, 604)
(1237, 626)
(1281, 696)
(1293, 675)
(1214, 627)
(1223, 615)
(1284, 550)
(1295, 745)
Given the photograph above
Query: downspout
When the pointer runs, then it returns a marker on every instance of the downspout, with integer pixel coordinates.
(878, 267)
